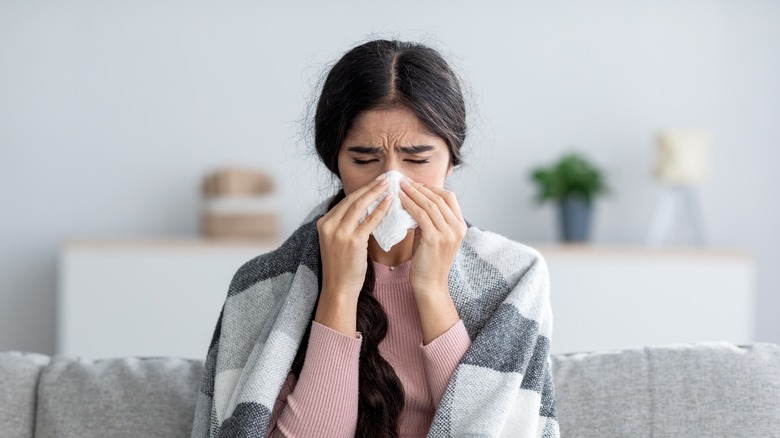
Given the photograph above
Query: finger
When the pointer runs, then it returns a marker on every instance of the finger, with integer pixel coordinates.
(378, 185)
(416, 212)
(372, 221)
(359, 207)
(444, 207)
(430, 206)
(450, 199)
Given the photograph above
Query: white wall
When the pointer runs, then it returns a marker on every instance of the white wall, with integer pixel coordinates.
(111, 112)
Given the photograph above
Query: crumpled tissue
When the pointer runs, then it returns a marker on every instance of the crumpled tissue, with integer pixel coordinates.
(394, 226)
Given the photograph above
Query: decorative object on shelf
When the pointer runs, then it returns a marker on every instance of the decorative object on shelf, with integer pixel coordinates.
(682, 164)
(574, 183)
(239, 203)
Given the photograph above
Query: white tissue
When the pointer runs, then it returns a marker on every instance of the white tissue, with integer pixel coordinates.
(394, 226)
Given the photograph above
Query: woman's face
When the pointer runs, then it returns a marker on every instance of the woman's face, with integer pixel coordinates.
(392, 139)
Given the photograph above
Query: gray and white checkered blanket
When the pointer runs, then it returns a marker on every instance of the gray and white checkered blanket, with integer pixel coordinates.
(502, 387)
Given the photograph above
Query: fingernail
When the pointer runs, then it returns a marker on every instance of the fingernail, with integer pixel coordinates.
(380, 177)
(383, 181)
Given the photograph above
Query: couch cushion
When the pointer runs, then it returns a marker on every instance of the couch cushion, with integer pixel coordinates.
(126, 397)
(696, 390)
(18, 381)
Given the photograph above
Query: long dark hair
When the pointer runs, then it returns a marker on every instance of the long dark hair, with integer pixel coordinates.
(383, 74)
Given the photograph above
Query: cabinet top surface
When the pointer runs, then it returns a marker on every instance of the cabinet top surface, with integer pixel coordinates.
(636, 250)
(546, 248)
(167, 243)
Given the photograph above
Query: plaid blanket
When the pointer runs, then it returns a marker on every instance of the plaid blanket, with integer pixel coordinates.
(502, 387)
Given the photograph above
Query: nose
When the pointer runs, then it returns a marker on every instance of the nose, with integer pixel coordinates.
(390, 163)
(388, 167)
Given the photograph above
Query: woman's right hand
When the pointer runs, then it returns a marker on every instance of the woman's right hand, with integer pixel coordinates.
(344, 254)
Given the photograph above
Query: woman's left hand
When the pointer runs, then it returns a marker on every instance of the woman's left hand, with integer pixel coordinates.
(440, 230)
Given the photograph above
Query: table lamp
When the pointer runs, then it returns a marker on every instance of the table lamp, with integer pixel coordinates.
(682, 164)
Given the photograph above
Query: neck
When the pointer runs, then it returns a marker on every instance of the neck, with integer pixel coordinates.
(399, 253)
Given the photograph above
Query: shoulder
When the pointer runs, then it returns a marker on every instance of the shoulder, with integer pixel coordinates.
(509, 257)
(300, 249)
(492, 272)
(505, 272)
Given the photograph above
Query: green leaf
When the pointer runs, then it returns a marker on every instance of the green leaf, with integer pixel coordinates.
(572, 175)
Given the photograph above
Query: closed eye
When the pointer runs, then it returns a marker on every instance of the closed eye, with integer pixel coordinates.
(363, 162)
(417, 161)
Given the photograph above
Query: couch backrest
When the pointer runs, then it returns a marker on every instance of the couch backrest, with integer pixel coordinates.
(700, 390)
(19, 374)
(126, 397)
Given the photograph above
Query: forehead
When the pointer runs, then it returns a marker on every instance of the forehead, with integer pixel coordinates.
(392, 124)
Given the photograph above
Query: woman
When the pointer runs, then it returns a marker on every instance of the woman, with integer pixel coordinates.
(445, 334)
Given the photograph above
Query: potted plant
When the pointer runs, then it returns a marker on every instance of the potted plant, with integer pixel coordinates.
(573, 183)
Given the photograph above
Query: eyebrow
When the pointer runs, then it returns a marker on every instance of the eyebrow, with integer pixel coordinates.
(415, 149)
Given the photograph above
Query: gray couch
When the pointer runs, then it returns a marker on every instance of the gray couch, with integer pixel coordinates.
(699, 390)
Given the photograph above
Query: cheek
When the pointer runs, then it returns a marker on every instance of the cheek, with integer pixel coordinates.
(352, 179)
(428, 174)
(346, 174)
(349, 188)
(348, 183)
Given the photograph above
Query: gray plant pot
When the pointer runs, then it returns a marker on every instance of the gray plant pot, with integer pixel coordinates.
(575, 217)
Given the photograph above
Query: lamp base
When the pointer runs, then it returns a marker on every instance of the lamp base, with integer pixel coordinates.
(682, 202)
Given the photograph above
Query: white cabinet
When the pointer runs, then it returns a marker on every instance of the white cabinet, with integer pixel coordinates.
(144, 298)
(163, 297)
(623, 297)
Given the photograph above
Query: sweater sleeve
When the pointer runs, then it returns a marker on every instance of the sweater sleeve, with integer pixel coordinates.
(442, 356)
(324, 400)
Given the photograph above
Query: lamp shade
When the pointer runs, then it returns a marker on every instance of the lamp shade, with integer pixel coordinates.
(683, 157)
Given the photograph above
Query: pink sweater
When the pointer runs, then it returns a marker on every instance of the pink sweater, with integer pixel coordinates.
(324, 401)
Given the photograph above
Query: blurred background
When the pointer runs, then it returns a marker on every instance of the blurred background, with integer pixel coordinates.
(113, 113)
